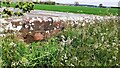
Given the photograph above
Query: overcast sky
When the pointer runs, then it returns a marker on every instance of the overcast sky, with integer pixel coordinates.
(93, 2)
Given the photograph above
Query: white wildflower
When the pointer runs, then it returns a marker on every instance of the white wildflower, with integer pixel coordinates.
(102, 38)
(31, 20)
(18, 28)
(54, 28)
(71, 65)
(69, 40)
(66, 60)
(32, 24)
(14, 26)
(83, 24)
(49, 19)
(30, 32)
(75, 58)
(117, 49)
(47, 31)
(81, 18)
(96, 46)
(2, 35)
(13, 64)
(31, 28)
(26, 26)
(62, 43)
(115, 58)
(63, 36)
(65, 56)
(13, 44)
(3, 21)
(39, 19)
(107, 45)
(76, 22)
(57, 26)
(113, 43)
(2, 29)
(110, 61)
(20, 23)
(63, 40)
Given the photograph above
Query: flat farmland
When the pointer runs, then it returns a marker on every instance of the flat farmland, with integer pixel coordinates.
(78, 9)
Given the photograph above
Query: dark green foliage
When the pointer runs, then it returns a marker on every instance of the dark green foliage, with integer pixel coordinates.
(92, 45)
(17, 53)
(18, 13)
(12, 52)
(0, 4)
(49, 3)
(7, 12)
(6, 3)
(46, 3)
(25, 6)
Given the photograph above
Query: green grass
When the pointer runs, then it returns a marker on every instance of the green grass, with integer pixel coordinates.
(89, 45)
(76, 9)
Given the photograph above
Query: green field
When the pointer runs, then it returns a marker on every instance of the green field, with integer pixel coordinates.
(76, 9)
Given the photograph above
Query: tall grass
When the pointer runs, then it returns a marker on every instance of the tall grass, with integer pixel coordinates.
(90, 45)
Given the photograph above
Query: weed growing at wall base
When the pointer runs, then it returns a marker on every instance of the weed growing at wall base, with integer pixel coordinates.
(89, 45)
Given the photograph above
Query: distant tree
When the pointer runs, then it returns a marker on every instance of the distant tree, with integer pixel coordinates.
(100, 5)
(76, 3)
(38, 1)
(0, 4)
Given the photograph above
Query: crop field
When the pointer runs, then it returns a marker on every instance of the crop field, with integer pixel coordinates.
(78, 9)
